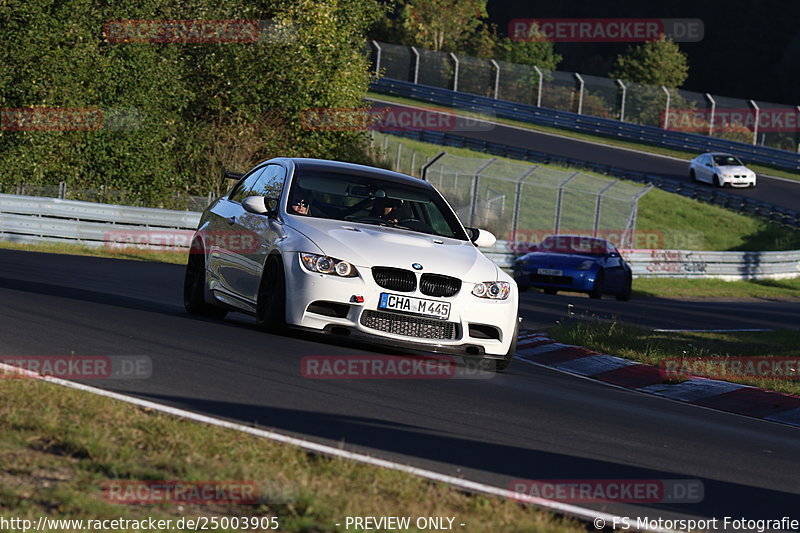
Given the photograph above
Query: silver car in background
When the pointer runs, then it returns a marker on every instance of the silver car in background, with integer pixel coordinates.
(721, 170)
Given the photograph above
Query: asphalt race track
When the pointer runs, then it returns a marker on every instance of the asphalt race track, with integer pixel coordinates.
(779, 192)
(527, 423)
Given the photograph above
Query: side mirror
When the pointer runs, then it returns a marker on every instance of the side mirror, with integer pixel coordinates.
(259, 205)
(481, 238)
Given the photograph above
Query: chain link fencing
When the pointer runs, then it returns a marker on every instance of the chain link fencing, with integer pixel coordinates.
(735, 119)
(523, 203)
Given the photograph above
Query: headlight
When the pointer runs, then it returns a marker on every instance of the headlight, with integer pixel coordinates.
(494, 290)
(328, 265)
(586, 265)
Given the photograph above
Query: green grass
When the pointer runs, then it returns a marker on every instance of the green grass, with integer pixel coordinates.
(680, 154)
(767, 289)
(59, 446)
(99, 251)
(684, 224)
(664, 220)
(655, 348)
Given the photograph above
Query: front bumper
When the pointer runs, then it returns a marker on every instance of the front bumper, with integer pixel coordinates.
(570, 280)
(324, 302)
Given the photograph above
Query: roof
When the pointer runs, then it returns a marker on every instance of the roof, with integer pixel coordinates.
(354, 169)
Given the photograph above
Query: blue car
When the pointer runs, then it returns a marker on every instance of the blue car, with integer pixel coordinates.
(576, 264)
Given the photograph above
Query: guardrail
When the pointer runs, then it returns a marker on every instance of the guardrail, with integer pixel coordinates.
(697, 191)
(584, 123)
(688, 263)
(35, 219)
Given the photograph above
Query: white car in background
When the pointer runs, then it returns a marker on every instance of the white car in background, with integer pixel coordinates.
(352, 250)
(721, 170)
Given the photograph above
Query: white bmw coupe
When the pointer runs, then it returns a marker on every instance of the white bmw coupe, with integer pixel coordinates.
(352, 250)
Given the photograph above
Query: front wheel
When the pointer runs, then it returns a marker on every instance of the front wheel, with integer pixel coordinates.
(717, 181)
(693, 176)
(512, 349)
(625, 295)
(599, 285)
(194, 288)
(271, 303)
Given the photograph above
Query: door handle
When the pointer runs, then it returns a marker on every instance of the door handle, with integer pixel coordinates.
(232, 220)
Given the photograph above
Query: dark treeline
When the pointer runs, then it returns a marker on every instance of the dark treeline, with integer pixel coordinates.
(751, 48)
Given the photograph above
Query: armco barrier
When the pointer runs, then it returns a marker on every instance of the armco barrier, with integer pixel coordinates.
(34, 219)
(585, 123)
(697, 191)
(689, 263)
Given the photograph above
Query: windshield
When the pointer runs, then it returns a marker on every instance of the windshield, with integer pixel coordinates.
(726, 161)
(573, 244)
(369, 200)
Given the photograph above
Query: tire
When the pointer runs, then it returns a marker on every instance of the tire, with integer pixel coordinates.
(271, 304)
(599, 284)
(503, 363)
(550, 291)
(717, 182)
(693, 176)
(194, 282)
(625, 295)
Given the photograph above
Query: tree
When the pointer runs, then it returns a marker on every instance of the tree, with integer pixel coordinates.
(658, 62)
(442, 25)
(537, 53)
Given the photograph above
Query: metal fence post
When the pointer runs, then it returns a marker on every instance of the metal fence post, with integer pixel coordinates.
(455, 74)
(496, 78)
(622, 105)
(597, 205)
(413, 162)
(429, 164)
(632, 217)
(559, 200)
(580, 93)
(475, 180)
(399, 151)
(377, 57)
(517, 198)
(416, 64)
(539, 91)
(666, 107)
(713, 112)
(758, 116)
(62, 189)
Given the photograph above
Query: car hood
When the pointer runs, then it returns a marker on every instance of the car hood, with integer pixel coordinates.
(735, 169)
(543, 259)
(368, 245)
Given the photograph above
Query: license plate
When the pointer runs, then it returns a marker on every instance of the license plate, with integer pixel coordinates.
(414, 306)
(549, 272)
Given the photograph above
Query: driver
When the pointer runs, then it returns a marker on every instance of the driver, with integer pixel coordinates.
(390, 210)
(299, 203)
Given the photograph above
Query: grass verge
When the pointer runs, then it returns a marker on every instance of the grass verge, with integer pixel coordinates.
(642, 147)
(177, 258)
(59, 446)
(717, 289)
(703, 351)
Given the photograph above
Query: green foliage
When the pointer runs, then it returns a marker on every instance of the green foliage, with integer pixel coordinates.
(442, 25)
(173, 113)
(659, 62)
